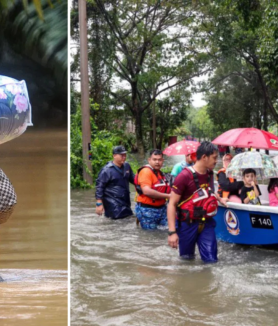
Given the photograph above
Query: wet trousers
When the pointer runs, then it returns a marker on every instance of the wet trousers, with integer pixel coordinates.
(206, 240)
(150, 218)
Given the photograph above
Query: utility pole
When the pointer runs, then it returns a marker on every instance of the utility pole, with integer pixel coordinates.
(154, 118)
(85, 105)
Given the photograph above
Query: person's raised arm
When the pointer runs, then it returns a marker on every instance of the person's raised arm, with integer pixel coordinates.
(255, 187)
(226, 185)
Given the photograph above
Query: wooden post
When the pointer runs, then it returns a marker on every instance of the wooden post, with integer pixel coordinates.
(154, 119)
(85, 105)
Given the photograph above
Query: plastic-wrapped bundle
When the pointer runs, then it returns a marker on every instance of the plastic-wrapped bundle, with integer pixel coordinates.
(15, 108)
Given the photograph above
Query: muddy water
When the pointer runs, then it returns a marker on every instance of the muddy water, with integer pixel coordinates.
(123, 275)
(33, 242)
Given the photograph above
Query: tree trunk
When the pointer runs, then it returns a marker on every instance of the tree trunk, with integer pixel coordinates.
(265, 90)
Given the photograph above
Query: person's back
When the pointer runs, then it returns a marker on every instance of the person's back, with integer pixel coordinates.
(273, 192)
(177, 168)
(189, 161)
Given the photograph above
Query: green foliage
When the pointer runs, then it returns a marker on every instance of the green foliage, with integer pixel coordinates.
(200, 124)
(170, 113)
(148, 51)
(102, 142)
(243, 46)
(167, 169)
(268, 47)
(76, 161)
(43, 36)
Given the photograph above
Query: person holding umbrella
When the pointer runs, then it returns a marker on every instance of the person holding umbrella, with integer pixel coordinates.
(228, 187)
(190, 159)
(184, 147)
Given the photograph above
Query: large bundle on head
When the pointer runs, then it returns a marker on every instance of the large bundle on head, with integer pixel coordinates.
(15, 108)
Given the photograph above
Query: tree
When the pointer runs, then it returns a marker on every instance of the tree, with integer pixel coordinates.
(152, 54)
(233, 29)
(171, 112)
(41, 37)
(232, 101)
(200, 124)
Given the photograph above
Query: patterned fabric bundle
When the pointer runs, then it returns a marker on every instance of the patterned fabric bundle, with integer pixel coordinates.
(8, 197)
(15, 108)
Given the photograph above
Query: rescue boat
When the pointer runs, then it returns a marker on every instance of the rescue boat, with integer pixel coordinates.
(248, 224)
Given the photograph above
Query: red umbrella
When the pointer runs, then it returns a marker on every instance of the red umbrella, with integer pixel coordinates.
(248, 137)
(183, 147)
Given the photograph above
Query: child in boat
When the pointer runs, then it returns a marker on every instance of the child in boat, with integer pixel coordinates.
(273, 192)
(250, 192)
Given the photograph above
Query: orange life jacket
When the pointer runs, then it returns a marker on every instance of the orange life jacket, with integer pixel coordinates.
(220, 191)
(202, 204)
(161, 185)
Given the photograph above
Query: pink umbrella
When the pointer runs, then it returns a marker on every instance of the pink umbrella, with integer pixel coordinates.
(183, 147)
(248, 137)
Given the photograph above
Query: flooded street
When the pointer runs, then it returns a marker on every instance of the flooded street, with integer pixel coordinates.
(33, 246)
(122, 275)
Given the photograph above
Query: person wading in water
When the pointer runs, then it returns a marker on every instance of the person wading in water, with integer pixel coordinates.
(192, 206)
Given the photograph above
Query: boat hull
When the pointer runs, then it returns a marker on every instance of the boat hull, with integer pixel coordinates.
(247, 224)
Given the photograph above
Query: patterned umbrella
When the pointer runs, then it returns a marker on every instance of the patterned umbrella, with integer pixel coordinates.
(183, 147)
(275, 160)
(15, 108)
(263, 165)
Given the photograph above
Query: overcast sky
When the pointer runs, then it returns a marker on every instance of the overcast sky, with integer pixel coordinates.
(197, 100)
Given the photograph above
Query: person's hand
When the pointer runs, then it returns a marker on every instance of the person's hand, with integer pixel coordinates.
(173, 240)
(100, 210)
(253, 183)
(224, 201)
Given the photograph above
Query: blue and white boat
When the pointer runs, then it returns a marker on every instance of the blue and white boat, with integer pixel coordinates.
(248, 224)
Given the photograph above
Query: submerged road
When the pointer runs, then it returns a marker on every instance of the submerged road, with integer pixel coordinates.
(123, 275)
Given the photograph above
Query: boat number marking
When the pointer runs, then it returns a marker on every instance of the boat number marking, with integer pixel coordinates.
(261, 221)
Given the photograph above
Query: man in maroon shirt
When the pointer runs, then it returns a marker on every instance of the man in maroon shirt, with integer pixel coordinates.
(190, 231)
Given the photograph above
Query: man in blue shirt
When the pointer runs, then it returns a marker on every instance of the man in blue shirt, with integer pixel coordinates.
(190, 159)
(112, 186)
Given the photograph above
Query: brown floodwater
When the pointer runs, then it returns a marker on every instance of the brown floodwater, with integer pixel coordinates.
(33, 245)
(122, 275)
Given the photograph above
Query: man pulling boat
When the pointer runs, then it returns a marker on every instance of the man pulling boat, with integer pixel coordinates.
(197, 226)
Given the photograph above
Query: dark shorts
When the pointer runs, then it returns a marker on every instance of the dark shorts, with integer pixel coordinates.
(206, 241)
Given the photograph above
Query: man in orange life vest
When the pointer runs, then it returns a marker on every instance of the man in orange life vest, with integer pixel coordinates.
(228, 186)
(192, 222)
(153, 190)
